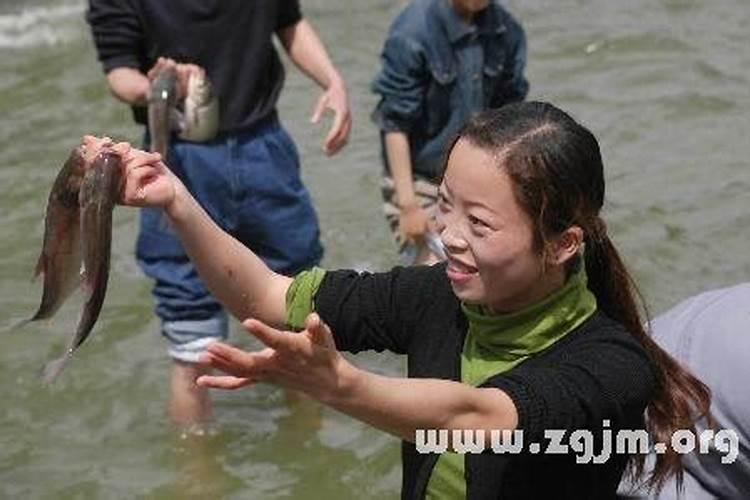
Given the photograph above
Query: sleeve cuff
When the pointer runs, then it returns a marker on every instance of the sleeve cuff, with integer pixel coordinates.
(300, 297)
(289, 16)
(389, 123)
(124, 61)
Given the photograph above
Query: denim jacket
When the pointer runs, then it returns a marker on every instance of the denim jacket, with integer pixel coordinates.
(437, 71)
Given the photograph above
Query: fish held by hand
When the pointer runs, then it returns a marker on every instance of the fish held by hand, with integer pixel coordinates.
(200, 121)
(60, 258)
(193, 117)
(162, 109)
(100, 190)
(78, 234)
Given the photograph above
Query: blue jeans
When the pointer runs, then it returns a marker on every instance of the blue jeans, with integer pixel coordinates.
(249, 184)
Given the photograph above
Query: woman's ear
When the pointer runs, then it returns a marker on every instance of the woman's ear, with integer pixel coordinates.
(565, 246)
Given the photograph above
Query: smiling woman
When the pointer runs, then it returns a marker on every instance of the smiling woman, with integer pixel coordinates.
(488, 236)
(532, 325)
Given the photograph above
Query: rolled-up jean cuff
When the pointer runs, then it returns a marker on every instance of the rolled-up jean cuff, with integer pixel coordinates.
(189, 338)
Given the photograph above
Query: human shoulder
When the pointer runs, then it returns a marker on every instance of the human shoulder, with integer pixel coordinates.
(600, 350)
(416, 25)
(708, 333)
(501, 14)
(723, 309)
(600, 345)
(600, 334)
(597, 372)
(503, 22)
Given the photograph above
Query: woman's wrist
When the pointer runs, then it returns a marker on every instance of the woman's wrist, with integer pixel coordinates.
(177, 208)
(350, 381)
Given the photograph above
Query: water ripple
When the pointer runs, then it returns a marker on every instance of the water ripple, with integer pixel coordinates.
(40, 26)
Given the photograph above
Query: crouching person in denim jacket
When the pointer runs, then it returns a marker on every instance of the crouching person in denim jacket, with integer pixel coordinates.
(443, 61)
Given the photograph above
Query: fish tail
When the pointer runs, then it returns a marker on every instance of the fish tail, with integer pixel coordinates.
(18, 325)
(53, 368)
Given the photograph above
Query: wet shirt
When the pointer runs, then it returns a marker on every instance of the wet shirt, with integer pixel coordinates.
(231, 39)
(438, 70)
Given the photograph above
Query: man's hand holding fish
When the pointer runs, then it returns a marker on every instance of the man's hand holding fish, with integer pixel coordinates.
(183, 72)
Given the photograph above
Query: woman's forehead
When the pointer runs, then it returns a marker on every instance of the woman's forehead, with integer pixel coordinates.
(469, 164)
(474, 177)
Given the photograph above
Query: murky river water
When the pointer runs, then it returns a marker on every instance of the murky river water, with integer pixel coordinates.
(664, 85)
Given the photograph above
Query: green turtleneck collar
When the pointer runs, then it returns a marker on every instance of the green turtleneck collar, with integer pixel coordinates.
(497, 342)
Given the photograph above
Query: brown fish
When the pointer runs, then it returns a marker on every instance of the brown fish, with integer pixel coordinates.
(60, 259)
(98, 195)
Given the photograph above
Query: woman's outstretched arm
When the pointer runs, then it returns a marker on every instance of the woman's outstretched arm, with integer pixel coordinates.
(309, 362)
(237, 277)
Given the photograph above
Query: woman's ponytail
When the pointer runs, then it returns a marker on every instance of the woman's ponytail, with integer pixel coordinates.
(680, 398)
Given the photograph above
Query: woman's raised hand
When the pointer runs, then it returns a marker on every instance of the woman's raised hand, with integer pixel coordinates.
(148, 182)
(307, 361)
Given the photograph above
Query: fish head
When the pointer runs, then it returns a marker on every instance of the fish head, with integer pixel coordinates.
(103, 170)
(164, 86)
(103, 180)
(71, 176)
(95, 149)
(162, 103)
(91, 146)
